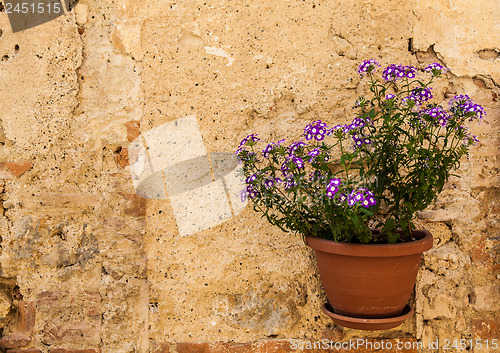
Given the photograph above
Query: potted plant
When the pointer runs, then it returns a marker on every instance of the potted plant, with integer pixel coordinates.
(352, 191)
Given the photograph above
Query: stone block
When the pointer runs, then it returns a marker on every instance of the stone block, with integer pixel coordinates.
(487, 298)
(361, 345)
(14, 340)
(70, 318)
(485, 328)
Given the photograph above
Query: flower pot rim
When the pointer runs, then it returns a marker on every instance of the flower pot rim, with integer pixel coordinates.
(423, 243)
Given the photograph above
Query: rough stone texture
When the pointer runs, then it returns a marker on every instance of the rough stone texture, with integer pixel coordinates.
(14, 340)
(89, 266)
(403, 345)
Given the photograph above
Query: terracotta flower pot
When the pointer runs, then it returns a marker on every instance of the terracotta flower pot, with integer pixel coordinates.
(371, 281)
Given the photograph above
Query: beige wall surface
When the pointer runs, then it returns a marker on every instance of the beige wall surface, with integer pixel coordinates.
(86, 263)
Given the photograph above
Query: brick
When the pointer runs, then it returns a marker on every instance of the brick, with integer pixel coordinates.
(26, 317)
(29, 350)
(486, 328)
(133, 129)
(193, 348)
(13, 170)
(14, 340)
(487, 298)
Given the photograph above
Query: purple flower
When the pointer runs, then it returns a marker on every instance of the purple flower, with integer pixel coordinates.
(313, 154)
(417, 96)
(394, 72)
(342, 198)
(295, 146)
(289, 182)
(436, 114)
(269, 183)
(266, 151)
(421, 94)
(317, 130)
(436, 69)
(390, 96)
(284, 167)
(331, 191)
(251, 178)
(249, 138)
(470, 140)
(251, 192)
(316, 175)
(334, 182)
(464, 106)
(362, 197)
(360, 140)
(333, 187)
(410, 71)
(368, 66)
(298, 162)
(358, 123)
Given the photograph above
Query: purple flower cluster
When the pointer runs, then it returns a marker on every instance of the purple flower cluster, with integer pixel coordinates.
(390, 96)
(436, 69)
(251, 178)
(394, 72)
(437, 114)
(291, 160)
(316, 175)
(361, 197)
(295, 146)
(299, 163)
(266, 151)
(355, 128)
(313, 154)
(417, 96)
(421, 94)
(252, 192)
(289, 182)
(367, 66)
(470, 139)
(333, 187)
(463, 104)
(360, 140)
(317, 130)
(249, 138)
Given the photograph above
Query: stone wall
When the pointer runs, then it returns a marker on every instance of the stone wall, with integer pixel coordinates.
(89, 266)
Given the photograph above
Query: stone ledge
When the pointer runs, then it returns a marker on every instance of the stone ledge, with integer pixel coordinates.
(378, 345)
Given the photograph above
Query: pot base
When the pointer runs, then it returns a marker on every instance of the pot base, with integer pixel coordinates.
(367, 324)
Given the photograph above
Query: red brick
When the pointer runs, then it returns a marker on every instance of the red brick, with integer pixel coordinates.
(133, 129)
(26, 317)
(14, 340)
(486, 328)
(13, 170)
(193, 348)
(29, 350)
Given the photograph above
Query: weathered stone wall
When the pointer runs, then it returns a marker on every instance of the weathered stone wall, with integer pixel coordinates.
(87, 265)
